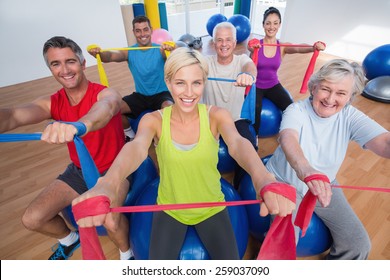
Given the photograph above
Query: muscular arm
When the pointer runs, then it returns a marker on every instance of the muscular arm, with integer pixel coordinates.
(34, 112)
(108, 105)
(109, 56)
(99, 115)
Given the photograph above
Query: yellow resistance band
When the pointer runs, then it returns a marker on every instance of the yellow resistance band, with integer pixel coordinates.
(102, 72)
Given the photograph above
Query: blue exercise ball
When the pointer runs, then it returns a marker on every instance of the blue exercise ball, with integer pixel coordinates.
(135, 122)
(377, 62)
(271, 116)
(258, 226)
(316, 240)
(145, 174)
(140, 178)
(266, 159)
(226, 164)
(213, 21)
(141, 224)
(243, 26)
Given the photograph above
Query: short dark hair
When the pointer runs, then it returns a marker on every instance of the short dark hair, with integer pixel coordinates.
(271, 10)
(62, 42)
(139, 19)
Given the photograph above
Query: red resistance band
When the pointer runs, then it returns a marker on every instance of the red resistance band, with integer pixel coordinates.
(306, 208)
(279, 243)
(89, 239)
(274, 246)
(90, 245)
(254, 43)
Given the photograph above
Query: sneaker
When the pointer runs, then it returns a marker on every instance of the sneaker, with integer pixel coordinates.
(131, 258)
(62, 252)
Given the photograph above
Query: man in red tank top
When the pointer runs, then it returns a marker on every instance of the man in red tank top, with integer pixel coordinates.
(97, 110)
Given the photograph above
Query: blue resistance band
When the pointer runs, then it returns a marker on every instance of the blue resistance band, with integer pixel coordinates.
(90, 172)
(248, 110)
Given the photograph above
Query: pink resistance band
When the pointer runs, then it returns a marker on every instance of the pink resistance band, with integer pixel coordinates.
(254, 43)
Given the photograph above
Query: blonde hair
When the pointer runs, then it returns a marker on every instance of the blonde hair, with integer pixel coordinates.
(182, 57)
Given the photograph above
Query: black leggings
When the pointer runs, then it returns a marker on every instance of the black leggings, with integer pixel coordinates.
(244, 129)
(277, 94)
(216, 234)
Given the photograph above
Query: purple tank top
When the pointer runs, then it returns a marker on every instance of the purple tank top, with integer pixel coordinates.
(267, 69)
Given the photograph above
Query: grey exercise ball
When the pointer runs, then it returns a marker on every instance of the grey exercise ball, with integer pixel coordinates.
(378, 89)
(180, 44)
(188, 39)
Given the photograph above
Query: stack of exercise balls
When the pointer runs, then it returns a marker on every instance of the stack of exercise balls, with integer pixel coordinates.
(240, 22)
(377, 69)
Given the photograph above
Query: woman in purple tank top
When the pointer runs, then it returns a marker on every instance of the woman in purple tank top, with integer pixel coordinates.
(269, 60)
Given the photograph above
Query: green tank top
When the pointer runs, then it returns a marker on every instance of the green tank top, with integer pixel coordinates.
(189, 176)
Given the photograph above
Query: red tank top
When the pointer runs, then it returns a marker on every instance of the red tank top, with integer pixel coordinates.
(103, 144)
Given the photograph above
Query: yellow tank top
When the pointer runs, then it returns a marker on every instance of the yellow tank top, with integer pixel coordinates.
(189, 176)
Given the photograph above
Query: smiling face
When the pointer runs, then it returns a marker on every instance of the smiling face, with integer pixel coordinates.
(66, 67)
(330, 98)
(271, 25)
(224, 43)
(143, 33)
(187, 86)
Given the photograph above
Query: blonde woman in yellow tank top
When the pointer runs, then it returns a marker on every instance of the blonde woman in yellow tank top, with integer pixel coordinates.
(186, 136)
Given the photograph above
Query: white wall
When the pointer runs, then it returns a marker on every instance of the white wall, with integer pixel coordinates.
(25, 25)
(350, 28)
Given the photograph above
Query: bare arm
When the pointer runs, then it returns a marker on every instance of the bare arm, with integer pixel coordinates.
(246, 156)
(99, 115)
(380, 145)
(30, 113)
(320, 46)
(109, 56)
(288, 140)
(166, 48)
(247, 76)
(109, 185)
(108, 105)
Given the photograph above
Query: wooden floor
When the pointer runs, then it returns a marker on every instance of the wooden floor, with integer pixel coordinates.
(27, 167)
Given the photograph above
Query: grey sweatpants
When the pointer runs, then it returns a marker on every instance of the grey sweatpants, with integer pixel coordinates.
(350, 238)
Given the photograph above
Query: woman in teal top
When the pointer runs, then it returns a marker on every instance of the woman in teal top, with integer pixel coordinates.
(186, 138)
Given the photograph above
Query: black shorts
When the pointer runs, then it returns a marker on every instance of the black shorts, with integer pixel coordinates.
(73, 176)
(139, 103)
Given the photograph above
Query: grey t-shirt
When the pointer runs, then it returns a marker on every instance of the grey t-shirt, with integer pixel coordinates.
(225, 94)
